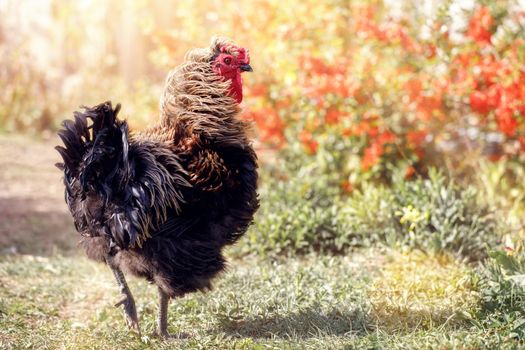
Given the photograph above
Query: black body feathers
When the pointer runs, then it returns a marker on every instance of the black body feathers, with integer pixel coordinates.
(164, 202)
(162, 207)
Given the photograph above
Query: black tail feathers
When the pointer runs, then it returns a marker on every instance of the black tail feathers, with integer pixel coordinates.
(95, 153)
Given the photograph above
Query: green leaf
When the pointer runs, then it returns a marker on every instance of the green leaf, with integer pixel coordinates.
(507, 262)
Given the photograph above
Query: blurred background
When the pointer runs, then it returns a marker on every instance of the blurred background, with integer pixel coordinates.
(345, 93)
(391, 130)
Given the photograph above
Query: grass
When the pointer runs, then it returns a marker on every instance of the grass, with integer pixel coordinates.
(68, 303)
(371, 299)
(52, 297)
(417, 291)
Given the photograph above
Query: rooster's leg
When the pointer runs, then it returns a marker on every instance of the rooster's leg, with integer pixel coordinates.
(162, 319)
(127, 301)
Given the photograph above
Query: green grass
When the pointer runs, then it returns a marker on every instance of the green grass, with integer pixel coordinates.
(370, 299)
(52, 297)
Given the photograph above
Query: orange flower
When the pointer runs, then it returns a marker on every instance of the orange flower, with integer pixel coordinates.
(333, 116)
(414, 87)
(258, 90)
(270, 126)
(480, 26)
(372, 155)
(430, 50)
(410, 172)
(371, 131)
(366, 127)
(495, 156)
(479, 102)
(464, 58)
(347, 186)
(490, 69)
(506, 121)
(494, 96)
(308, 141)
(348, 132)
(386, 137)
(416, 138)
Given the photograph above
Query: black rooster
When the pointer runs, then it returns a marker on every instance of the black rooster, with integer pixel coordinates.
(163, 203)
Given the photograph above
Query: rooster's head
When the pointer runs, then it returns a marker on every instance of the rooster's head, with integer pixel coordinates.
(229, 61)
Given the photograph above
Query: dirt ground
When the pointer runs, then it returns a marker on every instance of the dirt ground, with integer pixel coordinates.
(34, 218)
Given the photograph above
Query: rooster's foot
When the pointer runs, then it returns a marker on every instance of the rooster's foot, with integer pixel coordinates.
(130, 312)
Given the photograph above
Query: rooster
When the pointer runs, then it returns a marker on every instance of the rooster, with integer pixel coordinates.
(163, 203)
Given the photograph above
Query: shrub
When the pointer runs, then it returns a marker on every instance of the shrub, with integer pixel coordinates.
(437, 215)
(296, 215)
(402, 93)
(434, 215)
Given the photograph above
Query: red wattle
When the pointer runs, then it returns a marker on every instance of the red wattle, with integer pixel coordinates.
(236, 88)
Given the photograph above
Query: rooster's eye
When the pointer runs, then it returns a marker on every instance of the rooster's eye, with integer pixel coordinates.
(227, 60)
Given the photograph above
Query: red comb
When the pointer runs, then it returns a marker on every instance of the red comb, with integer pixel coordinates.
(244, 56)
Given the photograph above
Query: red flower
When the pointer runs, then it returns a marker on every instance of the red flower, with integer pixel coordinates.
(371, 131)
(416, 138)
(494, 96)
(308, 141)
(372, 155)
(332, 116)
(410, 172)
(506, 121)
(258, 90)
(347, 186)
(414, 87)
(428, 105)
(490, 68)
(464, 58)
(348, 132)
(386, 137)
(269, 125)
(480, 26)
(479, 102)
(495, 156)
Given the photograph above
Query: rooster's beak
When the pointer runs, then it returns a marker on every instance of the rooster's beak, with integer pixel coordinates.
(246, 68)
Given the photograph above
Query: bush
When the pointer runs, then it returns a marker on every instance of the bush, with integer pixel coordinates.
(297, 215)
(433, 215)
(437, 215)
(406, 92)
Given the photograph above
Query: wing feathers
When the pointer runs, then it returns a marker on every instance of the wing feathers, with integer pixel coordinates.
(116, 186)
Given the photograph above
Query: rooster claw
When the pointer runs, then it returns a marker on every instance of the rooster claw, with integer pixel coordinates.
(130, 310)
